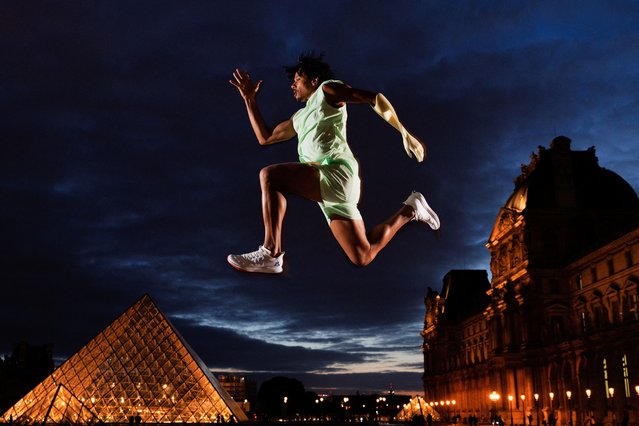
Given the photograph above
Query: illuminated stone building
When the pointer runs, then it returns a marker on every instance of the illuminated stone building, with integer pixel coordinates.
(560, 315)
(138, 368)
(242, 390)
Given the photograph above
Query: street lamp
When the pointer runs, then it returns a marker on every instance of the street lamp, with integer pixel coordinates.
(551, 414)
(523, 408)
(494, 397)
(510, 405)
(537, 406)
(588, 393)
(569, 394)
(284, 407)
(611, 391)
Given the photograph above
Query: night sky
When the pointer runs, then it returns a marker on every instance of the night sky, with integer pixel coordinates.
(128, 165)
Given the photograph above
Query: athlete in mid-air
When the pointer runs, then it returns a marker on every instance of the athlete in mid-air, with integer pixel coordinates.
(328, 172)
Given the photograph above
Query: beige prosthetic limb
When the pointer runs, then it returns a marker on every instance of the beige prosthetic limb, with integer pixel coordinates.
(412, 145)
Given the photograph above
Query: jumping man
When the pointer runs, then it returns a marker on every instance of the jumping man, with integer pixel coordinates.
(328, 172)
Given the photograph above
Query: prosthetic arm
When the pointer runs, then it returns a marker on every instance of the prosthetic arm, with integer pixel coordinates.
(412, 145)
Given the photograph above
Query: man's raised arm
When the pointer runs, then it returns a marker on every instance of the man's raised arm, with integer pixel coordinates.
(265, 135)
(338, 94)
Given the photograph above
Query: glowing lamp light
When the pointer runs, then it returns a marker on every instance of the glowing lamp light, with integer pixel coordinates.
(637, 389)
(523, 397)
(588, 393)
(611, 391)
(551, 395)
(510, 398)
(568, 394)
(536, 397)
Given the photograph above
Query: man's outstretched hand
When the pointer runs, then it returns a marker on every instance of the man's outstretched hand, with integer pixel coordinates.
(247, 88)
(413, 146)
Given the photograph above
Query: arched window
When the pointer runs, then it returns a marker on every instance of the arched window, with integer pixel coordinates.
(605, 377)
(580, 282)
(626, 382)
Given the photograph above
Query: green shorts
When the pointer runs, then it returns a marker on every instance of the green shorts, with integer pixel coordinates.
(340, 187)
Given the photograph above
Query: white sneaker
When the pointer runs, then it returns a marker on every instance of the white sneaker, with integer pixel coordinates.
(423, 212)
(259, 260)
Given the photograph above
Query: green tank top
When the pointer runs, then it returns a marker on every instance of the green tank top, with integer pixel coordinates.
(321, 131)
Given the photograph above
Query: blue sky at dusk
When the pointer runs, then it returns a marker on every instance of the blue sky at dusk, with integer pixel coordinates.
(128, 165)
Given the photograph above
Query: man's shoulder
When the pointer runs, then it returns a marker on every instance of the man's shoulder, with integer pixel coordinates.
(332, 89)
(332, 85)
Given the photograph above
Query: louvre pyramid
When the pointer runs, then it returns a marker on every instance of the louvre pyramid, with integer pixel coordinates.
(417, 406)
(138, 366)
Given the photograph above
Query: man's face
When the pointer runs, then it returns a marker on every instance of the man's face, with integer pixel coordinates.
(302, 87)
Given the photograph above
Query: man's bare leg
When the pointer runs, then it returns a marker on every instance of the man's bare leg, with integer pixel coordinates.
(303, 180)
(362, 249)
(277, 180)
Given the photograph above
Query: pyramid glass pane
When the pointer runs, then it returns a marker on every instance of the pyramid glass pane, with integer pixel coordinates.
(137, 366)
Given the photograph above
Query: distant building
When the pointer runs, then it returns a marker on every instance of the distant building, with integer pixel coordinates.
(560, 317)
(242, 389)
(24, 369)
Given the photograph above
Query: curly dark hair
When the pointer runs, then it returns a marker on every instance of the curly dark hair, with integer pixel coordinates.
(311, 66)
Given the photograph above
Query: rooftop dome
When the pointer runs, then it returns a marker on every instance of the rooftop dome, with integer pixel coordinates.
(559, 177)
(567, 203)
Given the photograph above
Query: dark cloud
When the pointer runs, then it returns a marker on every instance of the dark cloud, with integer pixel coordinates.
(128, 165)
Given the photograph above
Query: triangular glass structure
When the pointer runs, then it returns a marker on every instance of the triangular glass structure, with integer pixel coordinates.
(139, 366)
(417, 406)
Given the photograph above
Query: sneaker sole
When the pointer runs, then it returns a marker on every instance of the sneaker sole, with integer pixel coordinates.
(422, 201)
(277, 270)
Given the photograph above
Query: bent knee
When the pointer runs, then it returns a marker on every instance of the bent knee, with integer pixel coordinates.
(266, 175)
(361, 259)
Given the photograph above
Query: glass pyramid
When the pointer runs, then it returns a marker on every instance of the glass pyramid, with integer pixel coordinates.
(139, 366)
(417, 406)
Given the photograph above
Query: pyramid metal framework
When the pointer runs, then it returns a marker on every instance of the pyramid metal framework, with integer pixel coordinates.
(417, 406)
(139, 366)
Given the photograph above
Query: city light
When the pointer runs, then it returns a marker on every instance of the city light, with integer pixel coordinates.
(510, 406)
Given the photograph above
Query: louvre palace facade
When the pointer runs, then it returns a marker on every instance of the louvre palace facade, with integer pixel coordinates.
(553, 335)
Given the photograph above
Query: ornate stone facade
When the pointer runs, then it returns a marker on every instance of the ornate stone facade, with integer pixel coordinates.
(561, 311)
